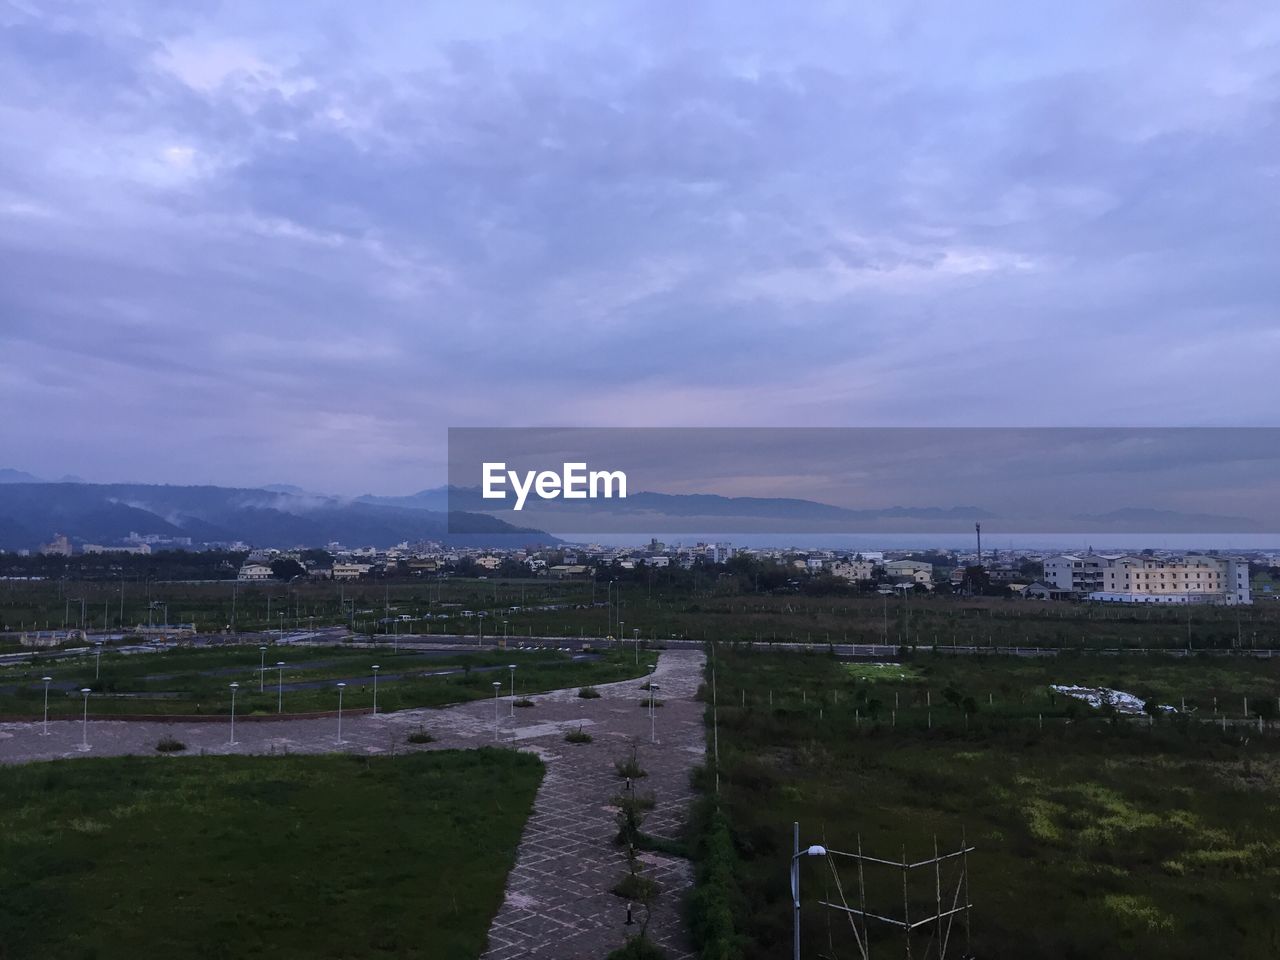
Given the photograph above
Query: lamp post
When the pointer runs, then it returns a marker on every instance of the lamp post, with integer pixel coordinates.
(375, 689)
(279, 686)
(622, 635)
(497, 685)
(262, 669)
(653, 713)
(46, 705)
(635, 631)
(813, 851)
(97, 666)
(512, 668)
(234, 688)
(84, 724)
(341, 686)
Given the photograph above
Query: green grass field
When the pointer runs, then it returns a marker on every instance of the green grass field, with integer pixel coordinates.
(199, 679)
(1095, 837)
(708, 608)
(280, 857)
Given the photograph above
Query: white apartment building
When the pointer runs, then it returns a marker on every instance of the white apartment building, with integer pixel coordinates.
(1190, 579)
(1078, 573)
(255, 571)
(853, 570)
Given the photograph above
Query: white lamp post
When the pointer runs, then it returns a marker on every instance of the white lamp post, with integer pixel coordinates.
(84, 724)
(653, 724)
(341, 687)
(97, 666)
(813, 851)
(375, 689)
(635, 632)
(46, 705)
(234, 688)
(497, 685)
(262, 669)
(279, 686)
(512, 668)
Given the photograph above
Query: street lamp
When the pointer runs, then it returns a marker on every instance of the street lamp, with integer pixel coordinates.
(512, 668)
(46, 705)
(653, 723)
(635, 631)
(497, 685)
(97, 667)
(341, 687)
(84, 724)
(262, 669)
(813, 851)
(234, 688)
(375, 689)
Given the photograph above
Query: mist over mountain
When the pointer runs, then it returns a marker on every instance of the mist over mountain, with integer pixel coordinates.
(32, 513)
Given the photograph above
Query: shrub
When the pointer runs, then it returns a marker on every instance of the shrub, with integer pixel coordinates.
(420, 736)
(589, 693)
(170, 744)
(577, 736)
(524, 702)
(636, 887)
(645, 702)
(716, 897)
(630, 767)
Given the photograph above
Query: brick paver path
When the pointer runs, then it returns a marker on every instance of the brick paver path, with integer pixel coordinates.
(557, 903)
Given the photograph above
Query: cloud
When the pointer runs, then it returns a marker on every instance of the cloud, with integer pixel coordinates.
(269, 232)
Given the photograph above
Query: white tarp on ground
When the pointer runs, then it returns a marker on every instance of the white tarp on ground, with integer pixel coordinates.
(1097, 696)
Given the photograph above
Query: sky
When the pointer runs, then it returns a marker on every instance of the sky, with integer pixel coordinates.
(248, 243)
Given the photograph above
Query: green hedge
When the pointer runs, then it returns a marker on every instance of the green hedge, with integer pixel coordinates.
(716, 898)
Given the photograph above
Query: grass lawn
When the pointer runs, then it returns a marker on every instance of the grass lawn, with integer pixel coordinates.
(196, 681)
(1095, 839)
(294, 857)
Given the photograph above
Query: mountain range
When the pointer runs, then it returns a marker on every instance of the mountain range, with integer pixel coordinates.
(31, 513)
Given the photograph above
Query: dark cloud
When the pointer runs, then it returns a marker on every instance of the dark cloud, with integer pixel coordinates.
(298, 243)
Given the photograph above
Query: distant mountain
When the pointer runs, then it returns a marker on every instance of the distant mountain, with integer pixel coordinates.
(8, 475)
(31, 513)
(437, 499)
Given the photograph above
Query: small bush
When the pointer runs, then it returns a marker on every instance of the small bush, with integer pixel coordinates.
(636, 887)
(645, 703)
(630, 767)
(420, 736)
(170, 744)
(524, 702)
(577, 736)
(589, 693)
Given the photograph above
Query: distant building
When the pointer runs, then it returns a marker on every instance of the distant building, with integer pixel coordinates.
(59, 546)
(1190, 579)
(141, 548)
(351, 571)
(917, 570)
(255, 571)
(1075, 572)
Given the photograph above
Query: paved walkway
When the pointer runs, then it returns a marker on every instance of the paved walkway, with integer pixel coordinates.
(557, 902)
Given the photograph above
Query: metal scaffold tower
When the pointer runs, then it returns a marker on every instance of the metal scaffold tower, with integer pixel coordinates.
(935, 907)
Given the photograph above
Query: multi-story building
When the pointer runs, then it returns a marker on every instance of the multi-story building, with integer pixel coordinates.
(255, 571)
(1190, 579)
(1077, 573)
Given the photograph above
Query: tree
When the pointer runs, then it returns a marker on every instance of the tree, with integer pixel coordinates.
(286, 568)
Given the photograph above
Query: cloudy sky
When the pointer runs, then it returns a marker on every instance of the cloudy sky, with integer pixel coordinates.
(246, 243)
